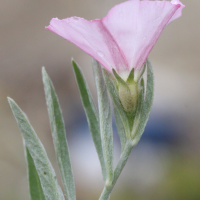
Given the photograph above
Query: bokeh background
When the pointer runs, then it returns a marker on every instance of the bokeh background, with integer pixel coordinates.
(165, 164)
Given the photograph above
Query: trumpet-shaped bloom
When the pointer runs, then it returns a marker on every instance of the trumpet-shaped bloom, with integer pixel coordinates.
(124, 38)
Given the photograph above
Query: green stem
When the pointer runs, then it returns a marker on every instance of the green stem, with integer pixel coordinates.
(105, 195)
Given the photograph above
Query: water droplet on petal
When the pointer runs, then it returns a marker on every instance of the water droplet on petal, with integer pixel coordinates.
(100, 54)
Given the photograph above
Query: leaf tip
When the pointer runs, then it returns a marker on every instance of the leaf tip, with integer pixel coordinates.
(44, 71)
(10, 101)
(12, 104)
(74, 64)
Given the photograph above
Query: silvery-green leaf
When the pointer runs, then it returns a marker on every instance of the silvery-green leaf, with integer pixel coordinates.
(139, 108)
(148, 101)
(59, 137)
(120, 129)
(35, 188)
(105, 118)
(110, 83)
(43, 166)
(91, 114)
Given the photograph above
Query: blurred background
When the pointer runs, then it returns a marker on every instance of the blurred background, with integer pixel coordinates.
(166, 162)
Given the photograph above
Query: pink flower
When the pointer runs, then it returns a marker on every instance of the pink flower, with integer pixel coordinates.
(124, 38)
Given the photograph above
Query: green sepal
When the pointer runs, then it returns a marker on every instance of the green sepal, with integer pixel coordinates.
(110, 82)
(119, 79)
(139, 108)
(35, 188)
(130, 79)
(124, 93)
(105, 119)
(127, 93)
(59, 137)
(91, 114)
(147, 104)
(122, 122)
(45, 171)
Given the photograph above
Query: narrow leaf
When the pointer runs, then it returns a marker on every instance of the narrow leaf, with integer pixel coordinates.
(43, 166)
(35, 188)
(91, 114)
(139, 111)
(59, 137)
(120, 129)
(105, 117)
(148, 101)
(110, 83)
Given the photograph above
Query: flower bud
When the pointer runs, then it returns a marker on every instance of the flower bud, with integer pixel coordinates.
(127, 91)
(128, 96)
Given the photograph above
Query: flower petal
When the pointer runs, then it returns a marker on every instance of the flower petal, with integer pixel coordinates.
(178, 13)
(136, 25)
(123, 39)
(93, 38)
